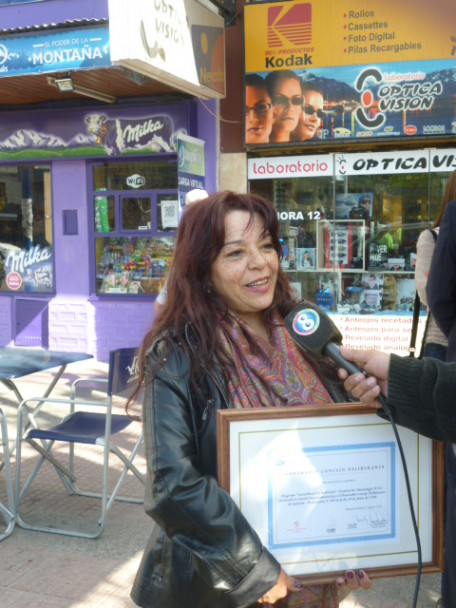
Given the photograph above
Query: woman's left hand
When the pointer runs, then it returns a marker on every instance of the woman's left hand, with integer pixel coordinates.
(353, 580)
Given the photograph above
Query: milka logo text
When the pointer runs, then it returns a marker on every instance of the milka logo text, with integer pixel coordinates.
(135, 132)
(17, 262)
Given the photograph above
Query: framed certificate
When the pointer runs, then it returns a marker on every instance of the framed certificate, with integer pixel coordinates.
(325, 488)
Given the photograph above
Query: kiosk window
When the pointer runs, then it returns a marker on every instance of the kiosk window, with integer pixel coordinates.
(26, 263)
(136, 213)
(134, 224)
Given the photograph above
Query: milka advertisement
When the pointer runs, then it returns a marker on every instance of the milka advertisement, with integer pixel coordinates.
(91, 133)
(325, 71)
(29, 270)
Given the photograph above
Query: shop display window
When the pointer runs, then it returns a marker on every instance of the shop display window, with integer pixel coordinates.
(134, 226)
(349, 241)
(104, 213)
(26, 253)
(340, 244)
(132, 265)
(136, 175)
(135, 213)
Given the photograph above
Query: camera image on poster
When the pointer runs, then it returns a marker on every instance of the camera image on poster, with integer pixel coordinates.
(405, 295)
(371, 295)
(354, 206)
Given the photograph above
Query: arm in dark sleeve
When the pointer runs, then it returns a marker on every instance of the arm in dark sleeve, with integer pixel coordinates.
(421, 396)
(188, 503)
(441, 285)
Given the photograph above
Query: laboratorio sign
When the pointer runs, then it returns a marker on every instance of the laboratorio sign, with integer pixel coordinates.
(267, 168)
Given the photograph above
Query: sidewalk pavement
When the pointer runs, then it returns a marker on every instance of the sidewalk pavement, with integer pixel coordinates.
(43, 570)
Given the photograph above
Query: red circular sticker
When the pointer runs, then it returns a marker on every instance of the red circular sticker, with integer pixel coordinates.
(14, 281)
(367, 98)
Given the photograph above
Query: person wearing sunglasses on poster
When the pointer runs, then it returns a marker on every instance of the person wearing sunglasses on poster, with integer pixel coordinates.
(312, 113)
(284, 88)
(258, 110)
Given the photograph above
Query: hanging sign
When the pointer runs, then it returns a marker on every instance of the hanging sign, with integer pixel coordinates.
(325, 71)
(178, 42)
(55, 51)
(190, 166)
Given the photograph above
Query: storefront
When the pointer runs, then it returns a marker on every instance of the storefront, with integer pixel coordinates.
(87, 222)
(349, 226)
(95, 161)
(344, 151)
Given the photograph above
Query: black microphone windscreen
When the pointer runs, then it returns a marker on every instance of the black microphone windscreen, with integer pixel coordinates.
(311, 328)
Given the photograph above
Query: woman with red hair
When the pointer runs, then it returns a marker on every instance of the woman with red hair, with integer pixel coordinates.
(220, 342)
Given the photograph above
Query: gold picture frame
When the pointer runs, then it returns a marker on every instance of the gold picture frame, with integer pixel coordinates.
(324, 487)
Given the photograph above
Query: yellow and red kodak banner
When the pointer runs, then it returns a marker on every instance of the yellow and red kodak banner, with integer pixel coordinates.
(323, 33)
(362, 69)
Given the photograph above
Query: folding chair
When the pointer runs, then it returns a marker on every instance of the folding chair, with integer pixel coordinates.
(6, 511)
(83, 424)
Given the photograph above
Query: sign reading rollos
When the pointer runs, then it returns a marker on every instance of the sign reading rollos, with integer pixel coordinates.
(325, 70)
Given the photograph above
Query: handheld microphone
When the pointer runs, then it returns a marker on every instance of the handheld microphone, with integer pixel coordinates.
(315, 333)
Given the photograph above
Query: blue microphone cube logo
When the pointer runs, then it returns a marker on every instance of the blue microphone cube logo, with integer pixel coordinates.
(306, 322)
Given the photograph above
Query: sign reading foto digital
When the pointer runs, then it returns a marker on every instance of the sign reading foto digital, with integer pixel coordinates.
(325, 70)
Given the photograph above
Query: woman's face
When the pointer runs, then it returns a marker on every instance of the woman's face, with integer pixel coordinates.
(286, 113)
(244, 274)
(258, 115)
(309, 122)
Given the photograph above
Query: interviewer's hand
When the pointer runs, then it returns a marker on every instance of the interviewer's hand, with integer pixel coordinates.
(285, 585)
(374, 363)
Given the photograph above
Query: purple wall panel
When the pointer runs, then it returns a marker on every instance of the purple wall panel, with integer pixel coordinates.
(119, 325)
(31, 323)
(71, 259)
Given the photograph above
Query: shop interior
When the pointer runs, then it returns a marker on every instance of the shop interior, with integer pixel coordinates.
(349, 242)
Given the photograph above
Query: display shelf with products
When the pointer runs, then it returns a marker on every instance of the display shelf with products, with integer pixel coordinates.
(348, 292)
(132, 265)
(340, 244)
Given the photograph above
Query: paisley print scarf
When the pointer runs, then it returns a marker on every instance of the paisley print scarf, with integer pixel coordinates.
(263, 374)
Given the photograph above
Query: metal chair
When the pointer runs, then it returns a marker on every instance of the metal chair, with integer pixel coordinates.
(83, 424)
(6, 511)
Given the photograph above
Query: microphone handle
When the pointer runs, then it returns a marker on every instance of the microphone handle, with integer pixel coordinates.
(332, 351)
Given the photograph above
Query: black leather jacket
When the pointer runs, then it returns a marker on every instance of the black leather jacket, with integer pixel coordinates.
(203, 553)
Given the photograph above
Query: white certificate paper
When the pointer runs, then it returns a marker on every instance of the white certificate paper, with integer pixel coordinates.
(327, 493)
(332, 494)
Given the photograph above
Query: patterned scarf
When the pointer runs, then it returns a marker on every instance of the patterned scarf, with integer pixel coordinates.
(263, 374)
